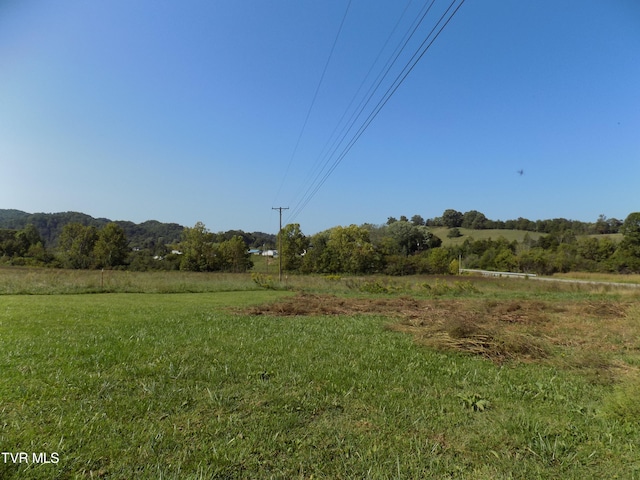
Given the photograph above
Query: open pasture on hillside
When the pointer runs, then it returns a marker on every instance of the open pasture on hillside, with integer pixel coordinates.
(331, 378)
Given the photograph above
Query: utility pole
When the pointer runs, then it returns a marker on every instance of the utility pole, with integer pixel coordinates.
(280, 242)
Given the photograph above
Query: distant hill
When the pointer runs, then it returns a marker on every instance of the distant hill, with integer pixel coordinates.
(50, 225)
(141, 235)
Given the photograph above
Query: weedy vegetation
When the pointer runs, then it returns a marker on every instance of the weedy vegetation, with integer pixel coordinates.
(174, 375)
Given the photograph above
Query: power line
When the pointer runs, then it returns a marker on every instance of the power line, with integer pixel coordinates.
(365, 101)
(329, 145)
(313, 100)
(406, 70)
(280, 242)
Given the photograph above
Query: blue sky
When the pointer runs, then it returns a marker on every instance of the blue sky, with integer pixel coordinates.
(218, 111)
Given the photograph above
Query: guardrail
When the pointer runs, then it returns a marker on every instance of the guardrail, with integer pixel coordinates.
(491, 273)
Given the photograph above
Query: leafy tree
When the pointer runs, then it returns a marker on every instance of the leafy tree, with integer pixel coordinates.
(294, 246)
(627, 256)
(533, 260)
(407, 238)
(452, 218)
(8, 244)
(454, 233)
(602, 225)
(438, 260)
(317, 257)
(631, 229)
(198, 251)
(234, 255)
(418, 220)
(350, 251)
(27, 238)
(76, 245)
(614, 225)
(595, 249)
(505, 261)
(111, 248)
(474, 220)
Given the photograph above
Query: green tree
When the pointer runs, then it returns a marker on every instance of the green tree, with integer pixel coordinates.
(505, 261)
(602, 226)
(198, 251)
(452, 218)
(111, 248)
(317, 257)
(350, 251)
(27, 238)
(474, 220)
(418, 220)
(234, 255)
(438, 260)
(76, 245)
(631, 229)
(409, 238)
(454, 233)
(294, 245)
(627, 256)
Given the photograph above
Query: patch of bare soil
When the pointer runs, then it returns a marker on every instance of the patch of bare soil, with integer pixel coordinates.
(310, 305)
(498, 330)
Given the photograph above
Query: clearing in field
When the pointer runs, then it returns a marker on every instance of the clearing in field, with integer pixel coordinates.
(581, 333)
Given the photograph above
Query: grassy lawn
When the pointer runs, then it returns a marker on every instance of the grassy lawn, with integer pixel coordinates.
(234, 381)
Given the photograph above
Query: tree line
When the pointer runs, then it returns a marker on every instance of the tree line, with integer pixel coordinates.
(476, 220)
(402, 247)
(88, 247)
(399, 247)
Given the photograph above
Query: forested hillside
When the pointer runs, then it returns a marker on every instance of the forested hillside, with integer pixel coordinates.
(49, 225)
(146, 235)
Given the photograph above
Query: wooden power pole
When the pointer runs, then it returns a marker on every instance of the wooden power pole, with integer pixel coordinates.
(280, 242)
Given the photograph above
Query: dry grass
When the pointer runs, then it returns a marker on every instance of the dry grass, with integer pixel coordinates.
(590, 335)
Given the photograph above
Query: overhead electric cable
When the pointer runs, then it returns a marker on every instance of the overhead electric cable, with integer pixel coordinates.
(366, 99)
(409, 66)
(328, 146)
(313, 100)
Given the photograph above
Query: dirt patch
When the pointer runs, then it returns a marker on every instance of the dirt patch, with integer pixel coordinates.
(499, 330)
(305, 304)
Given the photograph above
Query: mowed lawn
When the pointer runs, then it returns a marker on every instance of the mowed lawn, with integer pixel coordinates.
(193, 385)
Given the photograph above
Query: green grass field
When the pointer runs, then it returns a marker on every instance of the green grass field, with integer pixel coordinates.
(493, 234)
(210, 376)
